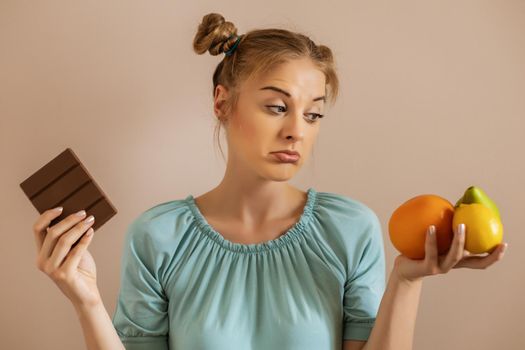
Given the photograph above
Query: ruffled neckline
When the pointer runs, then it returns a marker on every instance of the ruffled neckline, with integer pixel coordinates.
(292, 234)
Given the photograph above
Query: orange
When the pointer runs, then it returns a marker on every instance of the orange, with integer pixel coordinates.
(408, 225)
(483, 228)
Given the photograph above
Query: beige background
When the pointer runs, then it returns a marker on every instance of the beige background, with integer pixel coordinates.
(432, 101)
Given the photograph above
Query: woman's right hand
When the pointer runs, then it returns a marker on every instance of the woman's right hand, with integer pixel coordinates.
(72, 269)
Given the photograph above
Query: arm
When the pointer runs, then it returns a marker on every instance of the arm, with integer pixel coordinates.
(98, 329)
(396, 318)
(73, 270)
(394, 328)
(354, 344)
(365, 286)
(141, 316)
(140, 320)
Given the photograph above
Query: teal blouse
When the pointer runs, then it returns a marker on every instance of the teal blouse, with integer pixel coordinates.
(184, 286)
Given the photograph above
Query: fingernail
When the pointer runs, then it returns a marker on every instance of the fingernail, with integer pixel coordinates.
(506, 245)
(432, 230)
(461, 229)
(58, 209)
(89, 219)
(81, 213)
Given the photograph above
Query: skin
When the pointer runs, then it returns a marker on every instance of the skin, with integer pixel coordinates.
(396, 318)
(73, 270)
(254, 193)
(254, 198)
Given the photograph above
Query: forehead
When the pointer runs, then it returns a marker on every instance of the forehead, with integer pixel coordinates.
(299, 77)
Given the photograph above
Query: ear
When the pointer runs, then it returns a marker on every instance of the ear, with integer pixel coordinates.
(220, 96)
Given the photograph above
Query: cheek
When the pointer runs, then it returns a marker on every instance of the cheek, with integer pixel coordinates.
(252, 130)
(246, 130)
(244, 136)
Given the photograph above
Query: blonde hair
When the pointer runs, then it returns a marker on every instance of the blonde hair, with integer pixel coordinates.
(257, 52)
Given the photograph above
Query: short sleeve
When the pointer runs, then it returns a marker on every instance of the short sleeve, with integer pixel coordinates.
(141, 314)
(365, 286)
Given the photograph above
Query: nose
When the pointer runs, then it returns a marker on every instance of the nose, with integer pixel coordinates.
(294, 126)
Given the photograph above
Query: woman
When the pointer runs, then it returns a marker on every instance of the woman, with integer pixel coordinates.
(254, 263)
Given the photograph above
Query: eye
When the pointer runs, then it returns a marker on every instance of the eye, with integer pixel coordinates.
(270, 106)
(316, 115)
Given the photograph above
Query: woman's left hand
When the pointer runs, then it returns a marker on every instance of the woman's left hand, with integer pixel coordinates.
(413, 270)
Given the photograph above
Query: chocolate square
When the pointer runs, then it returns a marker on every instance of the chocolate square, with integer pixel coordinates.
(65, 181)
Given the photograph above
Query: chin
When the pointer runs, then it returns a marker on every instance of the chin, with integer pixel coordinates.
(279, 179)
(281, 172)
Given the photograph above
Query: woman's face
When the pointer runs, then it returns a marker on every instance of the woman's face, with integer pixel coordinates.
(267, 120)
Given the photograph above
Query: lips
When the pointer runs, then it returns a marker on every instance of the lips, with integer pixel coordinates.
(286, 157)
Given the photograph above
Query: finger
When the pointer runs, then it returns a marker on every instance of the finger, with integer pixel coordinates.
(456, 252)
(40, 225)
(431, 251)
(73, 259)
(482, 262)
(54, 233)
(66, 241)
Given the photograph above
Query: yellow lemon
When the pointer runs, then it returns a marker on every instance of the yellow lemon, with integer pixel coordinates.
(483, 228)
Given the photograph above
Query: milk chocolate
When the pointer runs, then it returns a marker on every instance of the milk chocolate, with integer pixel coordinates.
(65, 181)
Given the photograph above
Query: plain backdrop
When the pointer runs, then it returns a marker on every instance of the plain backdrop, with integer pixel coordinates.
(432, 101)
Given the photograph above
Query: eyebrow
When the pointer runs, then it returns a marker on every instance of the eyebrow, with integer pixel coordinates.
(323, 98)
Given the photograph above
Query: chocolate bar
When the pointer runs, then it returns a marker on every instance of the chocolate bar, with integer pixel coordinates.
(65, 181)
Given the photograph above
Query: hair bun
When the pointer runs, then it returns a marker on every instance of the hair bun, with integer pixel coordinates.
(214, 34)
